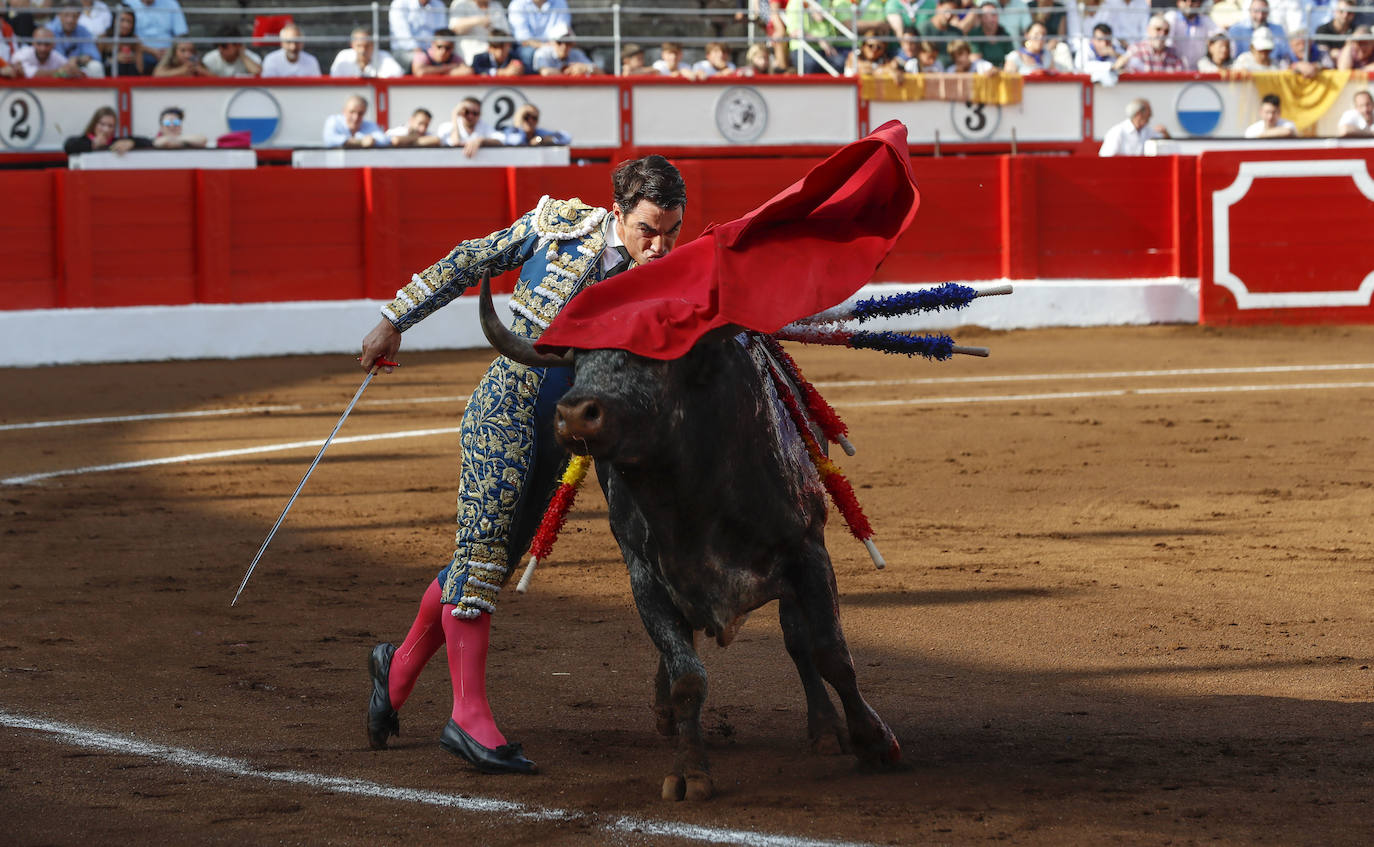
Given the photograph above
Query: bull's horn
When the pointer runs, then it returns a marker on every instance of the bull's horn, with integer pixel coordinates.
(509, 344)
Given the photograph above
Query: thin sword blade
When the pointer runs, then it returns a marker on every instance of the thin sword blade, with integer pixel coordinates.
(310, 470)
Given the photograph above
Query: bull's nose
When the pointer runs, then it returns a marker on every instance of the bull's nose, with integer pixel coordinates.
(580, 420)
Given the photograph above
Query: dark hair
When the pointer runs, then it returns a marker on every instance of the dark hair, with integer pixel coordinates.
(422, 111)
(651, 178)
(1104, 29)
(228, 34)
(171, 110)
(102, 112)
(1273, 100)
(445, 33)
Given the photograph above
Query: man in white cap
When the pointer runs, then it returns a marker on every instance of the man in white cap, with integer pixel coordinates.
(1128, 137)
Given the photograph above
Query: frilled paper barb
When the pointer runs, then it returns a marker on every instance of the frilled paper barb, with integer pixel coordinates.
(807, 249)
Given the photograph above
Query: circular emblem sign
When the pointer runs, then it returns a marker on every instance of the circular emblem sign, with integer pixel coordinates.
(499, 105)
(21, 119)
(1199, 107)
(741, 114)
(975, 121)
(254, 110)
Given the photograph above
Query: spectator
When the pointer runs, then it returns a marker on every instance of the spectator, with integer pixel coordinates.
(352, 128)
(290, 59)
(95, 16)
(1332, 35)
(1242, 33)
(773, 14)
(807, 24)
(229, 58)
(563, 58)
(1051, 14)
(1358, 51)
(943, 27)
(413, 24)
(1218, 56)
(40, 59)
(870, 58)
(169, 135)
(1034, 56)
(8, 70)
(100, 135)
(1308, 61)
(181, 60)
(468, 130)
(1189, 31)
(1271, 123)
(1260, 57)
(440, 58)
(963, 61)
(473, 21)
(157, 22)
(361, 59)
(903, 16)
(536, 23)
(758, 61)
(1128, 18)
(716, 63)
(927, 59)
(1082, 24)
(1128, 137)
(1100, 51)
(127, 56)
(1359, 121)
(1153, 55)
(633, 61)
(499, 60)
(989, 39)
(77, 43)
(670, 61)
(525, 131)
(414, 132)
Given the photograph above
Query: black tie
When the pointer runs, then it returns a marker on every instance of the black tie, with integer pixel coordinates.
(624, 263)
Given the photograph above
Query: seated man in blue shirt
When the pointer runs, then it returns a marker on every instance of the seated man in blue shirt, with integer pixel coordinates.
(157, 22)
(74, 41)
(1241, 34)
(499, 59)
(524, 130)
(351, 129)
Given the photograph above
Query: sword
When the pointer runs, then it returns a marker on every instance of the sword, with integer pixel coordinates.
(311, 469)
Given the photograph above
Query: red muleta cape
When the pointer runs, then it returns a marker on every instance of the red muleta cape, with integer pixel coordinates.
(807, 249)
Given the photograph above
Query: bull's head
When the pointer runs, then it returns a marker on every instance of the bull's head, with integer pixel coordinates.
(626, 408)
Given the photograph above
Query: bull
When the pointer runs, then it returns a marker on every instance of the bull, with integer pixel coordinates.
(717, 510)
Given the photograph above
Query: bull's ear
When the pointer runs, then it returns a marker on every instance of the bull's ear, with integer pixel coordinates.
(721, 333)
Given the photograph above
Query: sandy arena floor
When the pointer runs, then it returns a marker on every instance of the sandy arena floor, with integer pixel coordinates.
(1130, 599)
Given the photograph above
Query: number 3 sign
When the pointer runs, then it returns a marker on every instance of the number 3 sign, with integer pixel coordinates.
(21, 120)
(975, 121)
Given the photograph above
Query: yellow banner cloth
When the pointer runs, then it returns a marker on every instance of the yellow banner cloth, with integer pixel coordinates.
(1304, 100)
(1001, 89)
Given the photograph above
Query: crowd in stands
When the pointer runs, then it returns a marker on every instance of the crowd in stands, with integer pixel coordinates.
(89, 38)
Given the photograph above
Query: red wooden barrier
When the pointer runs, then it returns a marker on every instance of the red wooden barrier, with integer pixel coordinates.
(109, 238)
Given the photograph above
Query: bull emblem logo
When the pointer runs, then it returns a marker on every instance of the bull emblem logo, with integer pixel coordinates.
(741, 114)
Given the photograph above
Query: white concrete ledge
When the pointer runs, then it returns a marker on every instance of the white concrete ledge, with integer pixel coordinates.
(154, 333)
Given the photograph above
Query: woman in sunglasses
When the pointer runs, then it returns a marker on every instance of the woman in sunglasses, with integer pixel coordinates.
(169, 135)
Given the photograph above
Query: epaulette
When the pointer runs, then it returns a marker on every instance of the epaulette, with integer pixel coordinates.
(564, 220)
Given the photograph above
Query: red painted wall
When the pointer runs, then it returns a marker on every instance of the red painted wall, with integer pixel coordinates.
(109, 238)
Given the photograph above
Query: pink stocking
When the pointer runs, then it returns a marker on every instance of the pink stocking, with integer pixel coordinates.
(425, 637)
(467, 640)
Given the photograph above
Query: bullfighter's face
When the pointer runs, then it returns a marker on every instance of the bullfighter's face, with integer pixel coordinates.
(648, 231)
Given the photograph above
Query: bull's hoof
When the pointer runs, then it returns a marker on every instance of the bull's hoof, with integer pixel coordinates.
(830, 742)
(885, 756)
(695, 786)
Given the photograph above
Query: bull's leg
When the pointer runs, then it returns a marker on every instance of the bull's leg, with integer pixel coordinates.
(663, 700)
(823, 725)
(872, 741)
(683, 676)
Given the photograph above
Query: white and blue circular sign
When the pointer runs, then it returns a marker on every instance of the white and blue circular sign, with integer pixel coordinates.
(1199, 107)
(254, 110)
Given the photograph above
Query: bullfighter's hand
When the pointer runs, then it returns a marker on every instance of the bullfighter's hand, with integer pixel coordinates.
(382, 342)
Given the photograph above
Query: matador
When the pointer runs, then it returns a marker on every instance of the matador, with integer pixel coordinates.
(510, 461)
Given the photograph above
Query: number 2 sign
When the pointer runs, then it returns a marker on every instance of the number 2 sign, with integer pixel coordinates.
(21, 120)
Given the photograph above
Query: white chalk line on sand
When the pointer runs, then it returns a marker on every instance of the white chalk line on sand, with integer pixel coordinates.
(224, 454)
(856, 383)
(120, 744)
(1115, 392)
(909, 401)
